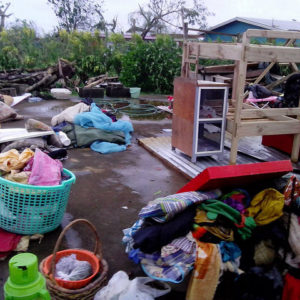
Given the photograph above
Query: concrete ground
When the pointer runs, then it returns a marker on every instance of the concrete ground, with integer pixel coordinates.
(109, 191)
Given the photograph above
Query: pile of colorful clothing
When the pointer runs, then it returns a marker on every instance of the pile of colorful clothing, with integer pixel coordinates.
(214, 234)
(29, 167)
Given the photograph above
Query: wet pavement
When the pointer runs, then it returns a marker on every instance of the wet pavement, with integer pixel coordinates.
(109, 191)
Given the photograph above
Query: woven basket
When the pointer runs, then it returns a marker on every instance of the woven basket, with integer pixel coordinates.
(88, 292)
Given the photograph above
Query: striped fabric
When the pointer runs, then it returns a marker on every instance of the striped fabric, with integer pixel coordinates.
(165, 208)
(186, 244)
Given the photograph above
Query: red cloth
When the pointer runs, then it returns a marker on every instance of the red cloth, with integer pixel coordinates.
(8, 242)
(291, 290)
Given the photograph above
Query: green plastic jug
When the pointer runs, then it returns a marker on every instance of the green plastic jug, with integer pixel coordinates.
(24, 281)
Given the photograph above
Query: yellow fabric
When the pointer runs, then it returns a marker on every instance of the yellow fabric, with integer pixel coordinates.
(205, 277)
(8, 99)
(12, 160)
(16, 176)
(226, 234)
(266, 206)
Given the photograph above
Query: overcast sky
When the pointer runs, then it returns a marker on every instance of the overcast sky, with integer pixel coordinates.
(41, 14)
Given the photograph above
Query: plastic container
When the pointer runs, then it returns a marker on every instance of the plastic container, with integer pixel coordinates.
(29, 209)
(135, 92)
(24, 281)
(34, 99)
(64, 138)
(83, 255)
(61, 93)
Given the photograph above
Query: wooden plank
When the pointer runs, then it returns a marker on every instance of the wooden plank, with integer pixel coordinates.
(219, 78)
(158, 147)
(272, 34)
(268, 128)
(295, 148)
(219, 69)
(266, 53)
(229, 125)
(296, 143)
(294, 67)
(216, 50)
(269, 112)
(184, 65)
(279, 81)
(261, 76)
(281, 118)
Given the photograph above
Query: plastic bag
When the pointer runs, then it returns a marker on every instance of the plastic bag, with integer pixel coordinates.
(69, 268)
(121, 288)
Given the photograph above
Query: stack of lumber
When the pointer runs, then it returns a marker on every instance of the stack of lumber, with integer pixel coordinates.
(36, 79)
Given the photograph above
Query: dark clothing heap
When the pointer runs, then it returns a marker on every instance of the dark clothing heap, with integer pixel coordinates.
(84, 137)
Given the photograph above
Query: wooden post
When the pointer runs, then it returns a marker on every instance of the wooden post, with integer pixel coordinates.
(184, 64)
(296, 144)
(240, 71)
(185, 31)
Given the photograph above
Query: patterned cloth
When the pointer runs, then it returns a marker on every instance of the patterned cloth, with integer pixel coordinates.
(205, 277)
(288, 190)
(186, 244)
(129, 232)
(165, 208)
(171, 263)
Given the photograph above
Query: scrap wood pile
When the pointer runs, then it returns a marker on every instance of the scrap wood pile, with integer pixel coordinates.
(19, 81)
(225, 73)
(242, 242)
(101, 79)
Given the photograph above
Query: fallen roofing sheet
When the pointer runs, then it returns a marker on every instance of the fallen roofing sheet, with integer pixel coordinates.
(14, 134)
(18, 99)
(250, 151)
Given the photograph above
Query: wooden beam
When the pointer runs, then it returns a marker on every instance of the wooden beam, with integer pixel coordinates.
(273, 34)
(283, 79)
(259, 128)
(221, 69)
(269, 112)
(216, 50)
(294, 67)
(296, 143)
(266, 53)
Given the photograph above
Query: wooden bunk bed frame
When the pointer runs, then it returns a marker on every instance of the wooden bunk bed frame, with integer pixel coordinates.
(244, 119)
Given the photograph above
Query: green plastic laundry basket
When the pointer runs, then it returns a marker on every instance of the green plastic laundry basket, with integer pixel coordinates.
(30, 209)
(135, 92)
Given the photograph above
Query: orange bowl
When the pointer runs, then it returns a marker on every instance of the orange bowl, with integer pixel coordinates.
(82, 255)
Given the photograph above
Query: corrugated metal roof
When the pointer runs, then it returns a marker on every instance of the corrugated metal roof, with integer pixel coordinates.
(250, 151)
(264, 23)
(277, 24)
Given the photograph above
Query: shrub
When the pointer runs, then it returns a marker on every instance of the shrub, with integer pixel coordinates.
(152, 66)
